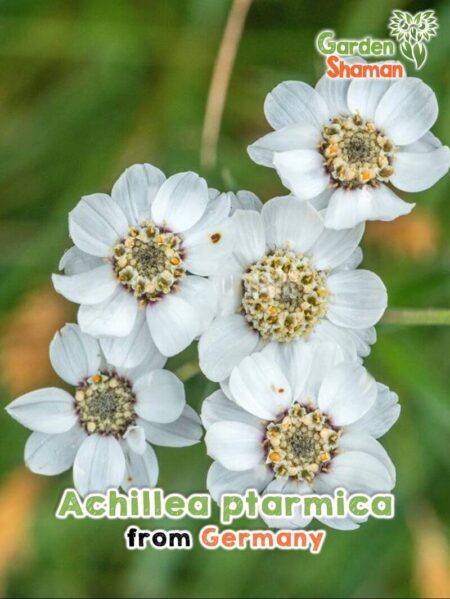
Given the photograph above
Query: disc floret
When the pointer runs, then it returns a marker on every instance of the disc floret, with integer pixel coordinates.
(356, 153)
(284, 297)
(105, 404)
(300, 444)
(149, 262)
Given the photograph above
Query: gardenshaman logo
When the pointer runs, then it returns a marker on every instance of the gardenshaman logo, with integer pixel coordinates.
(412, 32)
(349, 67)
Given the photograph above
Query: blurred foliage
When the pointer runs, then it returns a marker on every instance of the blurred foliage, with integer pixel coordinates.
(92, 86)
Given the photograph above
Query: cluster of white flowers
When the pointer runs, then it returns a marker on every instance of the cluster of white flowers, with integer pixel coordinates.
(273, 293)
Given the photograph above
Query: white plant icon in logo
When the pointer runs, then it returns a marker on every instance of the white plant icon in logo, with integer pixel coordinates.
(412, 32)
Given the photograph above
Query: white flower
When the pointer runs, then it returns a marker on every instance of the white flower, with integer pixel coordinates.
(302, 425)
(343, 142)
(104, 428)
(133, 255)
(290, 281)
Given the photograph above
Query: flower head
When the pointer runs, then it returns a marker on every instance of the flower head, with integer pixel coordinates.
(105, 426)
(341, 144)
(301, 424)
(290, 281)
(140, 258)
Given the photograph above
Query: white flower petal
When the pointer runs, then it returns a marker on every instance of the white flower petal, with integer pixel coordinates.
(183, 432)
(228, 289)
(135, 190)
(364, 95)
(47, 410)
(407, 110)
(347, 393)
(137, 347)
(290, 223)
(225, 388)
(381, 416)
(291, 487)
(294, 360)
(295, 102)
(141, 470)
(333, 248)
(207, 249)
(174, 323)
(89, 287)
(324, 356)
(334, 92)
(52, 454)
(160, 396)
(223, 345)
(343, 338)
(348, 208)
(201, 294)
(74, 355)
(180, 201)
(302, 172)
(237, 446)
(114, 316)
(245, 200)
(321, 201)
(96, 224)
(150, 362)
(354, 441)
(74, 261)
(353, 261)
(260, 387)
(217, 210)
(357, 300)
(427, 143)
(356, 472)
(363, 339)
(209, 242)
(421, 170)
(213, 193)
(218, 407)
(292, 137)
(220, 480)
(135, 438)
(99, 465)
(249, 238)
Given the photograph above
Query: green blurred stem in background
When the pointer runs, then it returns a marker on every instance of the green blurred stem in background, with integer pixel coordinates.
(428, 316)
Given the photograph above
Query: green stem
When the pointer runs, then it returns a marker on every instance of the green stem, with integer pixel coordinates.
(425, 317)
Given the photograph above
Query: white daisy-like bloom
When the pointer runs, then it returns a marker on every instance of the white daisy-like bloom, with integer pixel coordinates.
(300, 424)
(140, 260)
(105, 427)
(345, 143)
(290, 281)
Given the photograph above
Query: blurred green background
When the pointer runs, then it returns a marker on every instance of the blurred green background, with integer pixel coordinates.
(91, 87)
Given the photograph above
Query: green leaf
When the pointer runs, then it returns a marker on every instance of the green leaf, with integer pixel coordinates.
(406, 50)
(420, 54)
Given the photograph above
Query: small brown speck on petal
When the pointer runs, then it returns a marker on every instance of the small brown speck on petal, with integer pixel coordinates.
(216, 237)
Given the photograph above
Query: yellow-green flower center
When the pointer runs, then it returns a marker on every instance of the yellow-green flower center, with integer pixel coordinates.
(284, 297)
(356, 153)
(300, 444)
(105, 404)
(149, 262)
